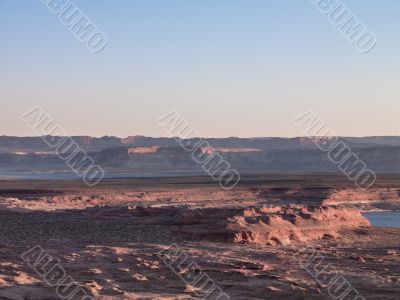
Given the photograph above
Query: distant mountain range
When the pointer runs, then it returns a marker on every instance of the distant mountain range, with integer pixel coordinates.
(12, 143)
(147, 156)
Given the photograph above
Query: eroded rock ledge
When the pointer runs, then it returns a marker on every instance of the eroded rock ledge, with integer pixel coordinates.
(279, 225)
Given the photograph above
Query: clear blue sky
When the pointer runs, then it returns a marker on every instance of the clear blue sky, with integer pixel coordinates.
(231, 68)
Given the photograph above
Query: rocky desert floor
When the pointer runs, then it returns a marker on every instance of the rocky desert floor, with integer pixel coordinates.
(272, 237)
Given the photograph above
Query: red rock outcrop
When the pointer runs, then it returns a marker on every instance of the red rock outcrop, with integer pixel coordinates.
(284, 225)
(279, 225)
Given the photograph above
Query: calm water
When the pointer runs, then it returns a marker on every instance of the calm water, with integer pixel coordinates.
(384, 219)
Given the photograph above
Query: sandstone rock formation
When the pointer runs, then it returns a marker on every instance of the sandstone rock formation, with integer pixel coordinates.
(268, 225)
(295, 223)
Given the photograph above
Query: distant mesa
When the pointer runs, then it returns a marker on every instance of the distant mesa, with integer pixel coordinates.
(148, 156)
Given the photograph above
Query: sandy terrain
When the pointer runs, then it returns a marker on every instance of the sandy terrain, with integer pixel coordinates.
(114, 240)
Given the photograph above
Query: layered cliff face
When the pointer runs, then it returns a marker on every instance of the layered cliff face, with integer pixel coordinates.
(112, 157)
(143, 156)
(153, 160)
(12, 143)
